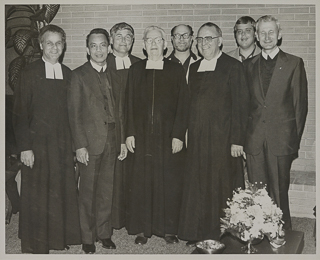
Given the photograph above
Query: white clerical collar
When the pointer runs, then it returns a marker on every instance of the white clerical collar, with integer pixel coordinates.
(209, 65)
(53, 71)
(156, 65)
(122, 62)
(271, 54)
(98, 67)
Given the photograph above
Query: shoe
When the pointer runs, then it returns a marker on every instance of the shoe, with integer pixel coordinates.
(89, 248)
(141, 240)
(66, 247)
(108, 243)
(171, 239)
(191, 243)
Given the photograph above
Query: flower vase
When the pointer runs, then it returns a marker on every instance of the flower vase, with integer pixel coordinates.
(249, 248)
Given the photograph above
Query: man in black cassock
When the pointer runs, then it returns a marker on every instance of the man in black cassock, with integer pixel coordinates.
(157, 105)
(216, 134)
(119, 62)
(49, 217)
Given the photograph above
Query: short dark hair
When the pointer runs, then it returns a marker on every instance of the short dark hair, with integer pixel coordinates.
(189, 27)
(52, 28)
(210, 24)
(244, 20)
(121, 26)
(97, 31)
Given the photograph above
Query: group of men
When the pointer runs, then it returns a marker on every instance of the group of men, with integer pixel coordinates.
(160, 143)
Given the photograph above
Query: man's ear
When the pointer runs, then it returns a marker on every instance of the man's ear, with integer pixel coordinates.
(88, 52)
(144, 45)
(220, 39)
(257, 35)
(165, 44)
(41, 47)
(279, 35)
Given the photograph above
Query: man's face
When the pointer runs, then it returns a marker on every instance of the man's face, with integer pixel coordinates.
(52, 46)
(245, 35)
(268, 35)
(122, 41)
(98, 48)
(154, 44)
(179, 43)
(208, 49)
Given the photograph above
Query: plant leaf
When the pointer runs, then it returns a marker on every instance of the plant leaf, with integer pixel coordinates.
(21, 39)
(51, 11)
(15, 68)
(8, 35)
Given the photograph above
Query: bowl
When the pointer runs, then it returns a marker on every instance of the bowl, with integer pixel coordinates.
(210, 247)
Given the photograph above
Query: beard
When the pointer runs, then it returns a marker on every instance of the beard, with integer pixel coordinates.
(182, 47)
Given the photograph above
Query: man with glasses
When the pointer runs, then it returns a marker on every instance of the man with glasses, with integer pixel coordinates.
(94, 124)
(182, 39)
(216, 134)
(119, 62)
(244, 33)
(157, 112)
(279, 104)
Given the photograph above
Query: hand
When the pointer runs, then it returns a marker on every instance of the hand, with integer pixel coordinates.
(130, 142)
(236, 150)
(123, 152)
(82, 155)
(176, 145)
(27, 158)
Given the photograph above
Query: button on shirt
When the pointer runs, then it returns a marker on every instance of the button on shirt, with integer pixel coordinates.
(105, 90)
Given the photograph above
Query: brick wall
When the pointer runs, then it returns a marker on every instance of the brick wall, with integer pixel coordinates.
(297, 21)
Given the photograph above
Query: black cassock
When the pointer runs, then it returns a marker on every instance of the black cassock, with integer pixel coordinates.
(157, 110)
(49, 216)
(118, 84)
(218, 116)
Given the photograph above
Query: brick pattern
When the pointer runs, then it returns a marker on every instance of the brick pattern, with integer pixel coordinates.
(297, 21)
(302, 194)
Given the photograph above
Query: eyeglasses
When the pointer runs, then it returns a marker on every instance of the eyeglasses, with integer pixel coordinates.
(208, 39)
(178, 36)
(157, 40)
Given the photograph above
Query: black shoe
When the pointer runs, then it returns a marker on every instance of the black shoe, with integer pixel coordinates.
(171, 239)
(107, 243)
(89, 248)
(191, 243)
(141, 240)
(66, 247)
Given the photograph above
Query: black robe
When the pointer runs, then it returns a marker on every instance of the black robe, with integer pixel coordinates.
(218, 116)
(49, 216)
(118, 84)
(157, 107)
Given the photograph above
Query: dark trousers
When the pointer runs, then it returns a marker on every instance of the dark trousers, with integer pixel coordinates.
(95, 193)
(275, 172)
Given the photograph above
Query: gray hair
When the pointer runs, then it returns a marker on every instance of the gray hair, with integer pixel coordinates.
(154, 27)
(210, 24)
(268, 18)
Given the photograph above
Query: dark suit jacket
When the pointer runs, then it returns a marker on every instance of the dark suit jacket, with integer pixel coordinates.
(279, 117)
(119, 82)
(86, 107)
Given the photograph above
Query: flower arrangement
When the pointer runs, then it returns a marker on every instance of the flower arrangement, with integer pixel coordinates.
(251, 214)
